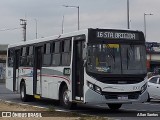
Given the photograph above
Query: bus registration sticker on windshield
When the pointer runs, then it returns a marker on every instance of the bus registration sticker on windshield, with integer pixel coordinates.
(123, 97)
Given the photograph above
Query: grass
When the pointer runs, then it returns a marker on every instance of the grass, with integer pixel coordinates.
(51, 112)
(51, 109)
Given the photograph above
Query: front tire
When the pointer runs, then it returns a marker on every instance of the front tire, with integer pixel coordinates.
(149, 99)
(114, 106)
(64, 99)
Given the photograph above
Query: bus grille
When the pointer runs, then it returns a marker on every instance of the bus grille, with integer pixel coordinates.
(121, 80)
(115, 95)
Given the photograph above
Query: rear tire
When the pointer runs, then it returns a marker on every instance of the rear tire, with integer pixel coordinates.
(23, 95)
(64, 99)
(114, 106)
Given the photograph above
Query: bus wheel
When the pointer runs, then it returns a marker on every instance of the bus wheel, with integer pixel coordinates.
(23, 95)
(64, 99)
(114, 106)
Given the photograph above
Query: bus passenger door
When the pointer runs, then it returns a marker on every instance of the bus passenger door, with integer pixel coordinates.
(37, 70)
(16, 70)
(77, 70)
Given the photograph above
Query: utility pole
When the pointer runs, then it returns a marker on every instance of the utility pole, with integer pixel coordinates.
(36, 29)
(63, 24)
(23, 23)
(78, 17)
(145, 24)
(128, 25)
(78, 12)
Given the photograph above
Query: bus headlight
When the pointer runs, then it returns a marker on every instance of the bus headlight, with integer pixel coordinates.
(97, 89)
(94, 87)
(90, 85)
(143, 88)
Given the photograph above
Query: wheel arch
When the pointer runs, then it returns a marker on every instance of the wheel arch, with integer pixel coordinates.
(22, 80)
(61, 88)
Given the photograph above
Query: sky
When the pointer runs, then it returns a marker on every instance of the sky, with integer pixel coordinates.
(48, 14)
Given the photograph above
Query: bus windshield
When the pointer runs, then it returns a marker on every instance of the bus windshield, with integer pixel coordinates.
(116, 59)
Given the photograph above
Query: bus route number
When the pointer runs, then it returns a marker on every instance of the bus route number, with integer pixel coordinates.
(66, 71)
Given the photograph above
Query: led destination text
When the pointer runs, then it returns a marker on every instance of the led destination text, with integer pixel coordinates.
(116, 35)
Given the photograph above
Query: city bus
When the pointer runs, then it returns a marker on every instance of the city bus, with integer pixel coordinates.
(91, 66)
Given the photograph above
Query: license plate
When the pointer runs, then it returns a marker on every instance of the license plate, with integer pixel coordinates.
(123, 97)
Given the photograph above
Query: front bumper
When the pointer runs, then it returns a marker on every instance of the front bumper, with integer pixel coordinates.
(134, 97)
(105, 98)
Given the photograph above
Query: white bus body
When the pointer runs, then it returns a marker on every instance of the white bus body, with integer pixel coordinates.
(68, 68)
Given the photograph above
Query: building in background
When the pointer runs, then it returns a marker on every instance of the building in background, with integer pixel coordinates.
(153, 57)
(3, 55)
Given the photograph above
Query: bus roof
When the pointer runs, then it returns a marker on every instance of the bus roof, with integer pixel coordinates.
(55, 37)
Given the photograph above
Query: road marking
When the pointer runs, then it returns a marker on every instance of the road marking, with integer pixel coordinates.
(152, 104)
(122, 108)
(133, 110)
(129, 109)
(101, 106)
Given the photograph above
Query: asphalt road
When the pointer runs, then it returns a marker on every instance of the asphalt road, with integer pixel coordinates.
(127, 111)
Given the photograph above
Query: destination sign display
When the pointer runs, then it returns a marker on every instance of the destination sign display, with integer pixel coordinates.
(117, 35)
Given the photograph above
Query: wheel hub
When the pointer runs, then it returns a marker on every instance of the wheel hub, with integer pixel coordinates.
(66, 97)
(22, 92)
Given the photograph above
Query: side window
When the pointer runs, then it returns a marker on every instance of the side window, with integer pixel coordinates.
(154, 80)
(24, 51)
(61, 52)
(67, 47)
(30, 56)
(23, 57)
(31, 50)
(66, 52)
(57, 47)
(47, 54)
(56, 54)
(48, 48)
(10, 57)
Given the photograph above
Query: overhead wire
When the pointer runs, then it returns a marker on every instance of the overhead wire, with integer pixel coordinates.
(9, 29)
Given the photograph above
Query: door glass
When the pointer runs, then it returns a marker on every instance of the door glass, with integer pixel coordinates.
(153, 80)
(159, 81)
